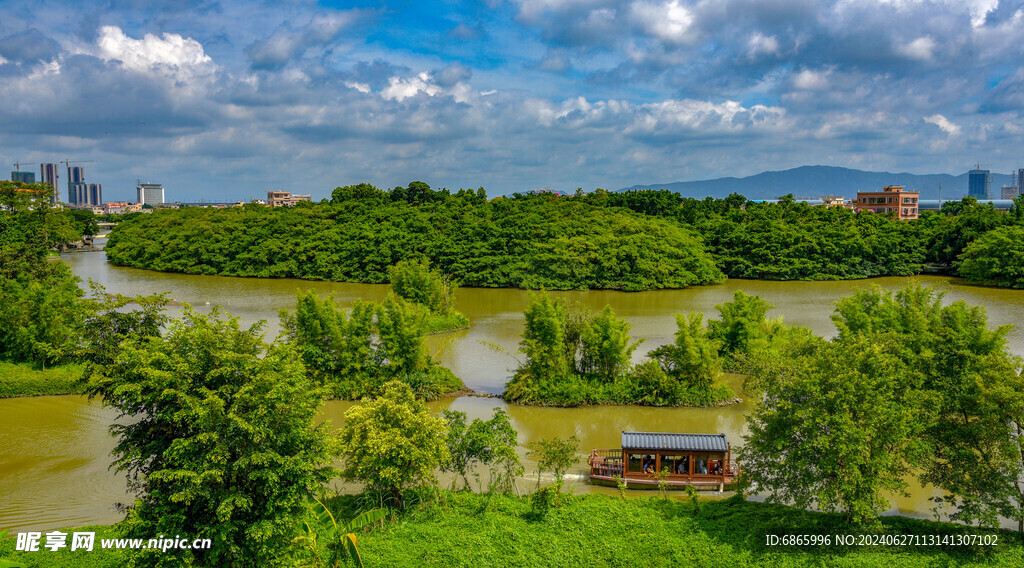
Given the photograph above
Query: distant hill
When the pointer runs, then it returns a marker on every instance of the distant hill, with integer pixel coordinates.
(815, 181)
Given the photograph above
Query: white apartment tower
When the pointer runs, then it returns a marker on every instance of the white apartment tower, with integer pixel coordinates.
(150, 193)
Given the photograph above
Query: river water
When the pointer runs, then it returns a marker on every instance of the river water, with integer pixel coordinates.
(54, 451)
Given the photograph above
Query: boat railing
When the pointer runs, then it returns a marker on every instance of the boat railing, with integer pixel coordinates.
(732, 468)
(605, 462)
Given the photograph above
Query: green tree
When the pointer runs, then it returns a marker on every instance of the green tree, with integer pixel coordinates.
(995, 258)
(355, 353)
(491, 442)
(392, 443)
(468, 445)
(41, 312)
(741, 322)
(400, 327)
(555, 455)
(41, 318)
(416, 282)
(606, 347)
(693, 358)
(220, 439)
(837, 430)
(109, 324)
(333, 346)
(360, 192)
(974, 439)
(544, 338)
(504, 460)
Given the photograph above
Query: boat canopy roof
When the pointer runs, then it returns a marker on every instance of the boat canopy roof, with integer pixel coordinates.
(681, 442)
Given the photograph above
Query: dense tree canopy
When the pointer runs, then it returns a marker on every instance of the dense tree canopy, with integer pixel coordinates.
(41, 312)
(996, 258)
(635, 240)
(524, 242)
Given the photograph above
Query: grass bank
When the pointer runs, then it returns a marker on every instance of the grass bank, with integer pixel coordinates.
(597, 530)
(470, 530)
(444, 323)
(17, 379)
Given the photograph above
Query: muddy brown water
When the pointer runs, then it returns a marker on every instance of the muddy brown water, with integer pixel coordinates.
(54, 451)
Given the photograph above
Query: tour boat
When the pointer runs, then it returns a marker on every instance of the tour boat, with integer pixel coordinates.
(703, 461)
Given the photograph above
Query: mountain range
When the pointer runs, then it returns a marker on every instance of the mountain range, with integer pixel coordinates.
(815, 181)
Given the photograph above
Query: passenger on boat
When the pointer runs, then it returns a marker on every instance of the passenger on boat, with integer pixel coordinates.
(702, 467)
(648, 464)
(716, 468)
(683, 466)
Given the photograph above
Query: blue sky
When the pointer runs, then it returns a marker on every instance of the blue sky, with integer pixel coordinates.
(224, 100)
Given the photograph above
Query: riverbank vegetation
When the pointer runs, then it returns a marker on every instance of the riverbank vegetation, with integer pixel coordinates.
(416, 282)
(353, 354)
(791, 240)
(637, 240)
(996, 258)
(574, 358)
(359, 235)
(39, 312)
(21, 379)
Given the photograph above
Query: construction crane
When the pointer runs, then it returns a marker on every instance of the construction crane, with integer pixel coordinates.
(978, 166)
(67, 163)
(17, 165)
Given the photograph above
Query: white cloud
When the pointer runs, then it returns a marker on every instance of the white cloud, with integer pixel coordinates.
(668, 21)
(943, 123)
(151, 52)
(361, 87)
(811, 80)
(2, 60)
(399, 89)
(44, 69)
(920, 49)
(759, 44)
(668, 118)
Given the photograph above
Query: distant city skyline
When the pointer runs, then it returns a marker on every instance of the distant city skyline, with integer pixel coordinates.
(223, 99)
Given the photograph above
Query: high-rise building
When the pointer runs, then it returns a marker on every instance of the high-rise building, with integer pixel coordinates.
(150, 193)
(23, 177)
(76, 185)
(94, 194)
(978, 184)
(78, 193)
(48, 174)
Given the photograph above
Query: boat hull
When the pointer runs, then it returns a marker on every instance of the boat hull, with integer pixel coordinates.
(672, 484)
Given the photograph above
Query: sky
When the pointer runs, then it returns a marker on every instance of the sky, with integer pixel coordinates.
(223, 99)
